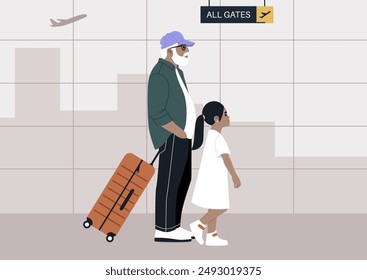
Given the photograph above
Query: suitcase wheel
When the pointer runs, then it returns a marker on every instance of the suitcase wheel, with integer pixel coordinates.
(110, 237)
(88, 223)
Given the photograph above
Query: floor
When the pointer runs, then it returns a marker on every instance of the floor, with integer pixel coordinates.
(250, 236)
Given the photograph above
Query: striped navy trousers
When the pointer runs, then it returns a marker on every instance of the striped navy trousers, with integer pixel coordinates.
(174, 177)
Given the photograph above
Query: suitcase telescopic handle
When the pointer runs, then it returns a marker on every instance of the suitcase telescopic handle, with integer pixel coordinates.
(126, 199)
(155, 157)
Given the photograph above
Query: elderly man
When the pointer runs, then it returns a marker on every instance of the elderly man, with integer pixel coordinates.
(171, 124)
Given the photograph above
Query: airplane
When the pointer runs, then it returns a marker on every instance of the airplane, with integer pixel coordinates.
(265, 14)
(62, 22)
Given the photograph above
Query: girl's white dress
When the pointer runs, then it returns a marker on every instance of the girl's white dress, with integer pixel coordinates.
(211, 188)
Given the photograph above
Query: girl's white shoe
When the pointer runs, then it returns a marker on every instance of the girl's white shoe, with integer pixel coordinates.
(212, 239)
(197, 230)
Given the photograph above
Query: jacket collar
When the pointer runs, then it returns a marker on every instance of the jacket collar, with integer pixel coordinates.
(168, 64)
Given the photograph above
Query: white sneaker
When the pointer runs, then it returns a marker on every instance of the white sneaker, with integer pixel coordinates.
(177, 235)
(186, 232)
(197, 231)
(212, 239)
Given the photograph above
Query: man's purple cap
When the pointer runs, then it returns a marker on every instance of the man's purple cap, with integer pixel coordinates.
(173, 38)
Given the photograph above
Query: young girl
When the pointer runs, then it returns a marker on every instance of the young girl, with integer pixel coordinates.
(211, 189)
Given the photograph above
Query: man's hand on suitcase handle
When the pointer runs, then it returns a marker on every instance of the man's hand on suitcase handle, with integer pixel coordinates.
(175, 129)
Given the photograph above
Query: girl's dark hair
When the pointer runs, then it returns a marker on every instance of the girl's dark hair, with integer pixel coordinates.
(210, 110)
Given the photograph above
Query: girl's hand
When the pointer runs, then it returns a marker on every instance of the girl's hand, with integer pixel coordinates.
(236, 181)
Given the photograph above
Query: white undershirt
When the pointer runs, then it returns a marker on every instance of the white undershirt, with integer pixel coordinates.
(190, 109)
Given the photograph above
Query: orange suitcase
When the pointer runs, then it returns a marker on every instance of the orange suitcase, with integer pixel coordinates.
(120, 195)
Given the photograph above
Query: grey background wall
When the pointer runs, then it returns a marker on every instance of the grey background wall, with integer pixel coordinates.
(73, 101)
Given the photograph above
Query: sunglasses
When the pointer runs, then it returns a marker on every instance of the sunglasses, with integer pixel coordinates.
(183, 47)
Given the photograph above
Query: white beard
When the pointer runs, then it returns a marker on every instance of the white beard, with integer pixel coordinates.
(180, 60)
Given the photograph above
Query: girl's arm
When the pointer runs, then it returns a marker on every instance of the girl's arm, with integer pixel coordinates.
(228, 163)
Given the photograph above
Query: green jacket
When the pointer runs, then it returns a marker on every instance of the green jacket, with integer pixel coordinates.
(166, 101)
